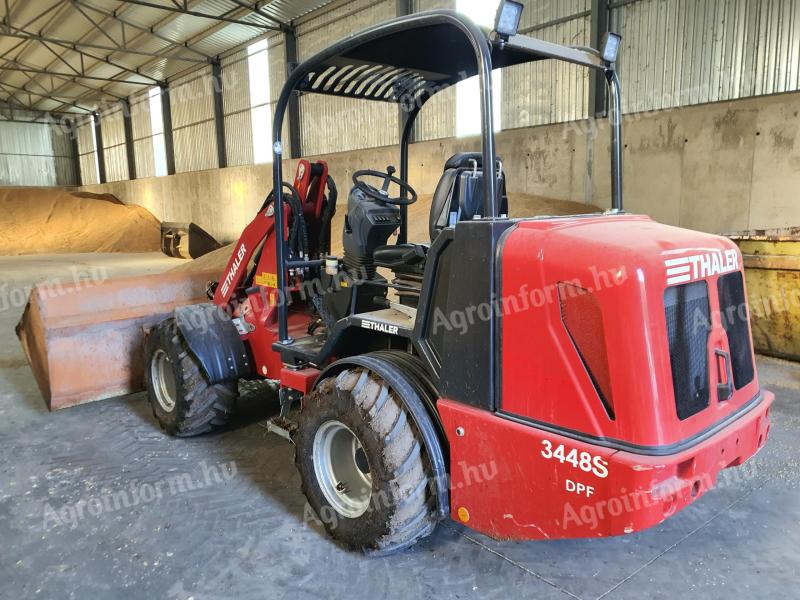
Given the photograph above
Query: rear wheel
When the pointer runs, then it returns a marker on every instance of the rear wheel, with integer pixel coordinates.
(363, 465)
(183, 401)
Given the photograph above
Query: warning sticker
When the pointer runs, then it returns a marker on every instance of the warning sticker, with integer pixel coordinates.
(267, 280)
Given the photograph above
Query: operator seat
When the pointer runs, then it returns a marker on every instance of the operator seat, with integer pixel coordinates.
(459, 195)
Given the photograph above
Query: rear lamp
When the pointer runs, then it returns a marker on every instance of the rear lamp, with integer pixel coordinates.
(509, 14)
(609, 46)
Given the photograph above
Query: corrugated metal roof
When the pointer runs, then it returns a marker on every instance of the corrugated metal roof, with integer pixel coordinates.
(75, 56)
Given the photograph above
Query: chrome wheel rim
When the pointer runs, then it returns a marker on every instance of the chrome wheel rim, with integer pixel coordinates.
(342, 469)
(163, 378)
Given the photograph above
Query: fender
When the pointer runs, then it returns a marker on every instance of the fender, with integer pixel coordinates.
(416, 397)
(214, 340)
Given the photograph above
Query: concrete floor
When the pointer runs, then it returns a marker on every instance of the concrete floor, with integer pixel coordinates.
(96, 503)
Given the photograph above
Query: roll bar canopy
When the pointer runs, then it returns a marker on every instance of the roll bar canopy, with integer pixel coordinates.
(407, 61)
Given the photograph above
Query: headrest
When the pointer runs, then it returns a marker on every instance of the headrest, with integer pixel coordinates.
(463, 160)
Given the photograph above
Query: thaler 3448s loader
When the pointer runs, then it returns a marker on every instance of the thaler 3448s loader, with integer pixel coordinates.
(530, 378)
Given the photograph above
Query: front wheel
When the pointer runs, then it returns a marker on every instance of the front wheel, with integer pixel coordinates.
(184, 402)
(363, 465)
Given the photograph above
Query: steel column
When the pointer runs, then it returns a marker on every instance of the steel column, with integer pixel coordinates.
(219, 113)
(72, 125)
(597, 81)
(166, 115)
(129, 151)
(98, 137)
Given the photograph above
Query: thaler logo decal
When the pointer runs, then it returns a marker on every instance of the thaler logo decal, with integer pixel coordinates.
(700, 266)
(382, 327)
(234, 268)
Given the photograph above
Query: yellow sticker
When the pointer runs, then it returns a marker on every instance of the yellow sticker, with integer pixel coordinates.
(463, 514)
(267, 280)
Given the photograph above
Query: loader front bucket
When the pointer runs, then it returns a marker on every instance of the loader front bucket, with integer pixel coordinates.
(84, 343)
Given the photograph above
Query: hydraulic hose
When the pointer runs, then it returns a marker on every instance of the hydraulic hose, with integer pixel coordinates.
(324, 242)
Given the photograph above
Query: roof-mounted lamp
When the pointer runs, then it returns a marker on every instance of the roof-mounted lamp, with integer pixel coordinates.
(509, 15)
(609, 46)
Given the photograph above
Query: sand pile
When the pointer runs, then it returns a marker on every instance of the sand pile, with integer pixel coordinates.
(44, 221)
(520, 205)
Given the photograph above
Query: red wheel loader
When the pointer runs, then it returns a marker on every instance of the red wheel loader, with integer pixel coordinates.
(531, 378)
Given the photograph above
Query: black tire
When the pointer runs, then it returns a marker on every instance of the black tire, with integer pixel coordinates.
(199, 407)
(401, 507)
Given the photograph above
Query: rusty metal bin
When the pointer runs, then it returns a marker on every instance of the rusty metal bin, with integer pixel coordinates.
(772, 273)
(84, 342)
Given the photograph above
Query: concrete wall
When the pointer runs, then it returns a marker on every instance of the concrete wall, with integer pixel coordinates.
(717, 167)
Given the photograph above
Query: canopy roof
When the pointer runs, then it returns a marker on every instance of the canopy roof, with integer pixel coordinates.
(419, 55)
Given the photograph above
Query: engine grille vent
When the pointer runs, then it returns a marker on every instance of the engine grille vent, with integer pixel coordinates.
(688, 327)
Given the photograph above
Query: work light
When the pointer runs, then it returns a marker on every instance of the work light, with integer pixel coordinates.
(609, 46)
(509, 14)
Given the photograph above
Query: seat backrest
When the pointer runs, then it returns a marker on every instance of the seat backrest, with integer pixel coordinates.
(459, 195)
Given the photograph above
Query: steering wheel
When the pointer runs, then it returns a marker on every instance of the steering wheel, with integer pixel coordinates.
(382, 195)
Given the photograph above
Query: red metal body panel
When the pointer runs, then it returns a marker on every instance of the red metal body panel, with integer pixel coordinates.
(260, 311)
(623, 261)
(301, 380)
(503, 486)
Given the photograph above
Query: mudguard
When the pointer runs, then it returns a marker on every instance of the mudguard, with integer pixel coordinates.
(214, 340)
(418, 398)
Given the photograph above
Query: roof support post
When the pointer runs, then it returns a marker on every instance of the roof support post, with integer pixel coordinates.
(615, 117)
(166, 115)
(295, 136)
(129, 150)
(410, 113)
(98, 138)
(404, 8)
(597, 80)
(219, 113)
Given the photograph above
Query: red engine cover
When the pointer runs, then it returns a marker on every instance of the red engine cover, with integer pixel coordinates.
(588, 440)
(623, 262)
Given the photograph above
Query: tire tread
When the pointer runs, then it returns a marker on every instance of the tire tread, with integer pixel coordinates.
(207, 407)
(412, 514)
